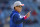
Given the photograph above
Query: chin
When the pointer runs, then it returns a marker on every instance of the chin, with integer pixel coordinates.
(19, 11)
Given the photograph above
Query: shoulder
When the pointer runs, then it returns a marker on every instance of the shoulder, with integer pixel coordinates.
(16, 14)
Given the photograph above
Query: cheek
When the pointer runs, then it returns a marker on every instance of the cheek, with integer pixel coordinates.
(19, 9)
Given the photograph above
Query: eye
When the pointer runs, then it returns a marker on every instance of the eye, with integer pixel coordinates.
(20, 6)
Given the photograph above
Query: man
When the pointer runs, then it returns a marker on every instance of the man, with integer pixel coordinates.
(15, 20)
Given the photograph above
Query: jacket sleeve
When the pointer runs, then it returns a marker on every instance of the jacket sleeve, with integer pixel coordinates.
(17, 19)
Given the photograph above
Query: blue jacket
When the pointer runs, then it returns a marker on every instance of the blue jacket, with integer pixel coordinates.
(15, 20)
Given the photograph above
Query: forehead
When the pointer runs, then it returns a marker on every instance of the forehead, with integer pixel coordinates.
(19, 5)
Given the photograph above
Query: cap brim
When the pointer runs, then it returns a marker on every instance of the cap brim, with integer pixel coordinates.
(22, 4)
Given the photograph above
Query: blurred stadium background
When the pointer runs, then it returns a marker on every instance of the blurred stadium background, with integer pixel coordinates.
(30, 5)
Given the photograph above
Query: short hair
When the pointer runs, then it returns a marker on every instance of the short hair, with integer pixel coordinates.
(14, 7)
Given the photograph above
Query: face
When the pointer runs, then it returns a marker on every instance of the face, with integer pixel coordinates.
(18, 8)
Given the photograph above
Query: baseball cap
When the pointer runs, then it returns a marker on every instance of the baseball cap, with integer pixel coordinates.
(17, 3)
